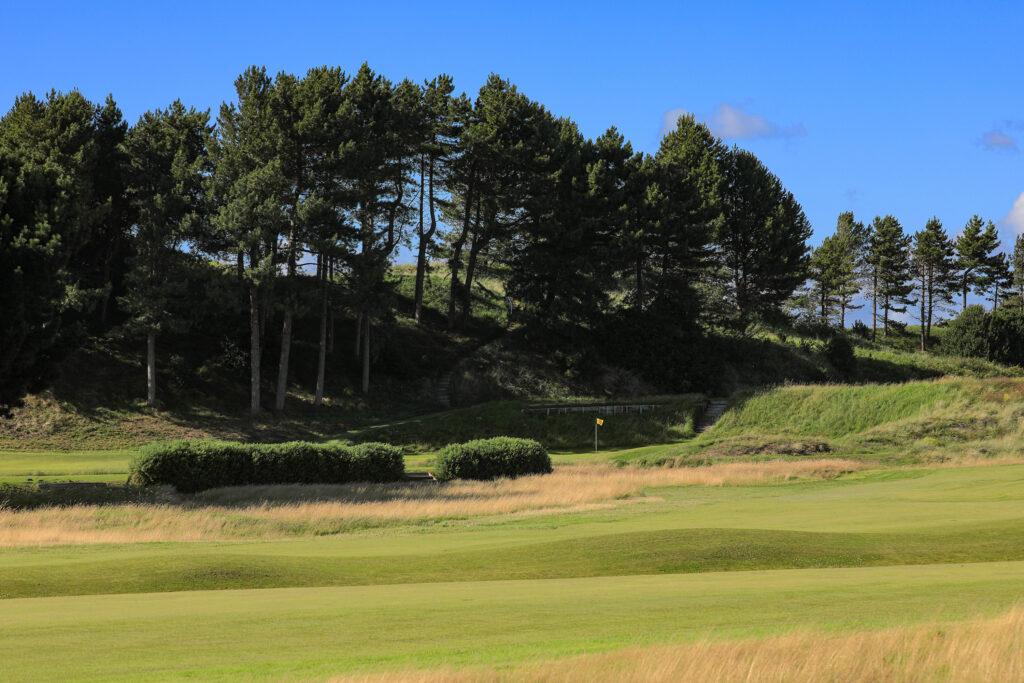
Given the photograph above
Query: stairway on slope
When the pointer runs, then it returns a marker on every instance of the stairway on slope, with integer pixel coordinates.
(714, 410)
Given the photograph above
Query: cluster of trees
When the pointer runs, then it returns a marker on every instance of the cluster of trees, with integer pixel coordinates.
(924, 274)
(305, 188)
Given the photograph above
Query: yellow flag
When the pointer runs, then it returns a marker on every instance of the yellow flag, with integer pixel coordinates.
(600, 422)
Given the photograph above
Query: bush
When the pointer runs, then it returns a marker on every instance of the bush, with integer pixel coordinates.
(191, 466)
(839, 352)
(968, 334)
(490, 458)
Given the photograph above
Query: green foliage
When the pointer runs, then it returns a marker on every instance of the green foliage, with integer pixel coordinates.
(761, 244)
(31, 496)
(968, 334)
(974, 248)
(191, 466)
(996, 335)
(491, 458)
(839, 352)
(933, 265)
(888, 258)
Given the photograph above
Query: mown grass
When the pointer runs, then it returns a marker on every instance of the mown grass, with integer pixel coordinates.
(317, 632)
(37, 466)
(975, 650)
(950, 515)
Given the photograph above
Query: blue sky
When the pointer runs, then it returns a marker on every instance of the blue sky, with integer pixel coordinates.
(914, 109)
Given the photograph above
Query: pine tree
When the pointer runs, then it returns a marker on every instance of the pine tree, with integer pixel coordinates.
(889, 264)
(996, 279)
(34, 253)
(686, 198)
(825, 264)
(440, 140)
(932, 262)
(384, 121)
(761, 243)
(974, 248)
(852, 237)
(248, 194)
(1018, 268)
(167, 156)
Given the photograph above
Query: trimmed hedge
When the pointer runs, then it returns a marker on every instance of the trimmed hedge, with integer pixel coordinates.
(502, 456)
(191, 466)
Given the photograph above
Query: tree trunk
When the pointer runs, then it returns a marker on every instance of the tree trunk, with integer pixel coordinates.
(874, 307)
(456, 260)
(421, 255)
(282, 366)
(640, 279)
(467, 287)
(885, 317)
(321, 364)
(931, 306)
(330, 311)
(359, 333)
(366, 356)
(254, 349)
(964, 306)
(151, 368)
(924, 336)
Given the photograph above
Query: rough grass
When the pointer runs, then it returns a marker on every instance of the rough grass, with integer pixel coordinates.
(974, 650)
(311, 510)
(915, 422)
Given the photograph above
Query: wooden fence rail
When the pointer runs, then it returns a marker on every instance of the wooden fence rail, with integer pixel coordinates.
(602, 410)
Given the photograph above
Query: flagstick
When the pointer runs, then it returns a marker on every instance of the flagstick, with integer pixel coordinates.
(595, 437)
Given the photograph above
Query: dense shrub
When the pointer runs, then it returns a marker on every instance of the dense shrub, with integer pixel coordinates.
(839, 352)
(191, 466)
(996, 336)
(490, 458)
(967, 334)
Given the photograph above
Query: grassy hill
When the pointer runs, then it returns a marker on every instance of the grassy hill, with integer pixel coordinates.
(913, 422)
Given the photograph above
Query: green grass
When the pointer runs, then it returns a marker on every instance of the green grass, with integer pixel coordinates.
(907, 423)
(316, 632)
(876, 518)
(837, 410)
(18, 466)
(871, 549)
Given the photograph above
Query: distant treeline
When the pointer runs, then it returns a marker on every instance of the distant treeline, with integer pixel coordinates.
(923, 275)
(301, 191)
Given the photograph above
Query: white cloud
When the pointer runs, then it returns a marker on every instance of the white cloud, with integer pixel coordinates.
(731, 122)
(670, 118)
(1015, 219)
(996, 139)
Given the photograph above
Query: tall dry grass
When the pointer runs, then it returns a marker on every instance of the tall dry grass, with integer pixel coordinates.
(977, 650)
(288, 511)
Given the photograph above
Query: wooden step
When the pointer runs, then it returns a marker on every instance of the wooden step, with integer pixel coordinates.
(713, 411)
